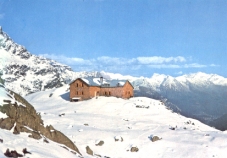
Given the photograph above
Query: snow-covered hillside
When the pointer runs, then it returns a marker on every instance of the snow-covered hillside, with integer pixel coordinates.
(18, 142)
(114, 127)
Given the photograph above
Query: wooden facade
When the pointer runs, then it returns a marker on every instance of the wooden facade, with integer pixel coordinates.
(81, 90)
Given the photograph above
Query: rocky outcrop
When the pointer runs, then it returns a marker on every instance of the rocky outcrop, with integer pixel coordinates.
(22, 117)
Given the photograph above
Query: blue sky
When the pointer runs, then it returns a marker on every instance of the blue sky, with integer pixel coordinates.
(131, 37)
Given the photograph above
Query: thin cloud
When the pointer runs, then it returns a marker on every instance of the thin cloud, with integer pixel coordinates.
(179, 73)
(66, 60)
(214, 65)
(164, 66)
(2, 16)
(194, 65)
(116, 64)
(160, 60)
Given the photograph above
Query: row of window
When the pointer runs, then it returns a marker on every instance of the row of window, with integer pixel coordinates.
(79, 93)
(104, 93)
(79, 85)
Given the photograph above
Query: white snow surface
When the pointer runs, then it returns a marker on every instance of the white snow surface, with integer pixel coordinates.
(88, 122)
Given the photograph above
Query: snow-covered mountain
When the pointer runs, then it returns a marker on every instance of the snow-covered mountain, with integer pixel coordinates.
(199, 95)
(25, 73)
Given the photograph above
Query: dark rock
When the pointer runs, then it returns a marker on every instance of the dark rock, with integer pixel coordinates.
(7, 123)
(172, 128)
(89, 151)
(100, 143)
(25, 151)
(16, 131)
(155, 138)
(134, 149)
(7, 101)
(85, 124)
(1, 140)
(63, 114)
(35, 135)
(45, 140)
(65, 148)
(12, 153)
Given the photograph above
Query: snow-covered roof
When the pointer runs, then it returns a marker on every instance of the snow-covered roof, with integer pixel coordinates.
(96, 81)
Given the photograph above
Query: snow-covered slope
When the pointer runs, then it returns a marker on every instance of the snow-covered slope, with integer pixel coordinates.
(25, 73)
(18, 142)
(136, 121)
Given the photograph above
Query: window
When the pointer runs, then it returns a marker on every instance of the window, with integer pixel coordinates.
(76, 92)
(82, 93)
(109, 93)
(77, 85)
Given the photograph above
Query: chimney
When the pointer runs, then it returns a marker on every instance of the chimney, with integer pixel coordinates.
(101, 80)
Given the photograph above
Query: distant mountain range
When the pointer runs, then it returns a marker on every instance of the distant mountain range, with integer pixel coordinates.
(199, 95)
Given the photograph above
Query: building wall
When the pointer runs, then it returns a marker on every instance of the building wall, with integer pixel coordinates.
(94, 91)
(111, 91)
(79, 89)
(127, 91)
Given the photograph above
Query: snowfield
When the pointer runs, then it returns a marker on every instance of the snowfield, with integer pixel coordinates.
(113, 127)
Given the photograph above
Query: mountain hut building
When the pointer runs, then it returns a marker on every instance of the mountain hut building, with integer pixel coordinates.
(87, 88)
